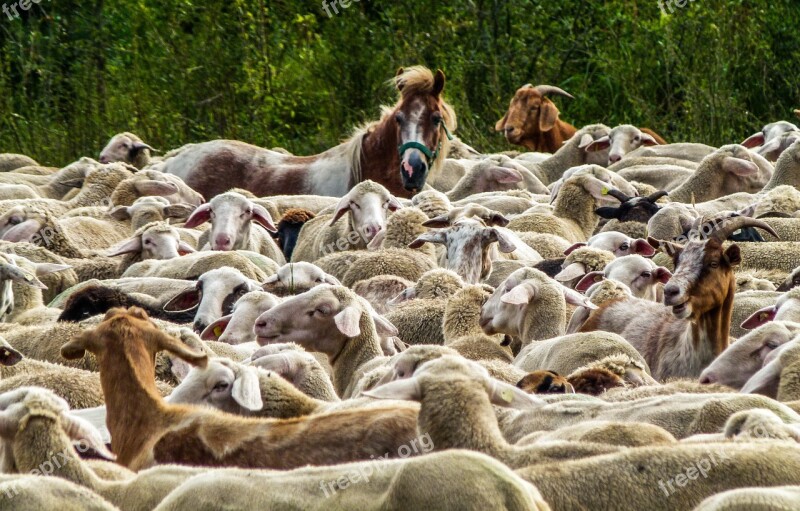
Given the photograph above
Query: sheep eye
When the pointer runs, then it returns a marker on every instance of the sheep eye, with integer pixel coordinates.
(646, 274)
(221, 386)
(14, 220)
(771, 345)
(624, 246)
(354, 205)
(319, 279)
(637, 138)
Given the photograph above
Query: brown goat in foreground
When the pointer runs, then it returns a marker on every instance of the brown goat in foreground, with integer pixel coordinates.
(532, 120)
(145, 430)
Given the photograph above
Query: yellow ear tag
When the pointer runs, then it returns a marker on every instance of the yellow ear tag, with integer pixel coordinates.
(218, 330)
(598, 278)
(604, 191)
(763, 316)
(28, 277)
(507, 395)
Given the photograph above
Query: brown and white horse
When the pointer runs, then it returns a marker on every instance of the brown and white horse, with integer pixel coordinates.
(399, 151)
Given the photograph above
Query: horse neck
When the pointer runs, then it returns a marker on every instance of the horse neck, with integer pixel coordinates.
(379, 159)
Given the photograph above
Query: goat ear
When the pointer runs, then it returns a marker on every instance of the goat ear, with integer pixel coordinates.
(347, 321)
(199, 216)
(505, 244)
(9, 356)
(607, 212)
(126, 247)
(734, 255)
(548, 115)
(262, 217)
(521, 294)
(588, 281)
(759, 317)
(754, 140)
(509, 396)
(184, 301)
(77, 346)
(503, 175)
(179, 349)
(738, 166)
(573, 297)
(598, 145)
(428, 237)
(501, 124)
(213, 331)
(574, 247)
(246, 389)
(342, 207)
(643, 248)
(151, 187)
(120, 213)
(407, 389)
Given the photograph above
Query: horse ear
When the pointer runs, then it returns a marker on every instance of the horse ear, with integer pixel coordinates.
(438, 82)
(399, 83)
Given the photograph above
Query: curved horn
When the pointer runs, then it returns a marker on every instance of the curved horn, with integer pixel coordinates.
(544, 90)
(618, 195)
(728, 226)
(657, 195)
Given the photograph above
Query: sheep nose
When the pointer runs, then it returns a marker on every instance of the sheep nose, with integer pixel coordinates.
(261, 324)
(104, 159)
(614, 158)
(199, 326)
(371, 231)
(222, 242)
(708, 378)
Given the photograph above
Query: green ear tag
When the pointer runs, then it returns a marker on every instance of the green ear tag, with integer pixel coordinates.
(218, 330)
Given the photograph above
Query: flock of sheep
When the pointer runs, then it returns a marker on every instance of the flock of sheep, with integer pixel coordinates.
(606, 321)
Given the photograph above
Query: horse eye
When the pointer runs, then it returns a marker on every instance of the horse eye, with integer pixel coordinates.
(399, 118)
(436, 117)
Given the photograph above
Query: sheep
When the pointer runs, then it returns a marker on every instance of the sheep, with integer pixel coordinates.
(308, 372)
(685, 151)
(495, 173)
(512, 202)
(145, 210)
(576, 265)
(734, 366)
(191, 266)
(152, 182)
(777, 378)
(764, 141)
(288, 229)
(757, 424)
(642, 276)
(382, 290)
(532, 119)
(456, 397)
(666, 177)
(57, 281)
(54, 186)
(419, 321)
(786, 307)
(11, 273)
(11, 161)
(334, 321)
(431, 202)
(744, 499)
(156, 240)
(213, 296)
(748, 281)
(148, 430)
(232, 216)
(470, 247)
(773, 149)
(792, 281)
(27, 302)
(727, 170)
(295, 278)
(621, 140)
(662, 477)
(631, 372)
(237, 327)
(438, 283)
(530, 306)
(36, 492)
(367, 206)
(624, 434)
(126, 147)
(482, 348)
(463, 312)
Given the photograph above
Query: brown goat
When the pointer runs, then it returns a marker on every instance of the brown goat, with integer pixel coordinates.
(594, 381)
(545, 382)
(683, 341)
(145, 430)
(532, 120)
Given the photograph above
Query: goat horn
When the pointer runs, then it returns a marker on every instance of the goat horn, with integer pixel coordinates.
(544, 90)
(728, 226)
(657, 195)
(618, 195)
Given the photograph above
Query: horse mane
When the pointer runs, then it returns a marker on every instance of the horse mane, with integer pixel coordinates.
(413, 80)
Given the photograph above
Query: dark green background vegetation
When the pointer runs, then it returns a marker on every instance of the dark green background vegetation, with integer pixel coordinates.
(282, 73)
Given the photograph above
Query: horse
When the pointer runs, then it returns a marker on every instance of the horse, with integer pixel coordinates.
(407, 144)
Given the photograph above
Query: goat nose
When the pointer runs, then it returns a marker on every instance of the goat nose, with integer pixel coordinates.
(509, 129)
(671, 290)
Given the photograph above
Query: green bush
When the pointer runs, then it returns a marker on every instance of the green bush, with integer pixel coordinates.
(283, 73)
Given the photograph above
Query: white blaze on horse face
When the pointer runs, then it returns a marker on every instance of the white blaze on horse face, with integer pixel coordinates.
(411, 130)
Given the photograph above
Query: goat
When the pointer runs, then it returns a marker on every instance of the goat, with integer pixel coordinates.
(532, 119)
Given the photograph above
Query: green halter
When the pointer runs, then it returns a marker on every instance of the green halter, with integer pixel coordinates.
(430, 155)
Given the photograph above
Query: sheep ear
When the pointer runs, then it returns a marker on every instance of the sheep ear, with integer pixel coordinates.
(750, 210)
(571, 272)
(407, 389)
(383, 326)
(438, 222)
(22, 231)
(408, 294)
(521, 294)
(509, 396)
(589, 280)
(643, 248)
(184, 301)
(9, 356)
(662, 274)
(179, 368)
(330, 279)
(759, 317)
(20, 276)
(574, 247)
(504, 175)
(138, 146)
(597, 145)
(548, 115)
(184, 248)
(505, 244)
(738, 166)
(177, 210)
(199, 216)
(573, 297)
(347, 321)
(247, 390)
(596, 188)
(120, 213)
(428, 237)
(126, 247)
(394, 204)
(648, 140)
(754, 140)
(213, 331)
(262, 216)
(377, 241)
(151, 187)
(585, 142)
(48, 268)
(342, 207)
